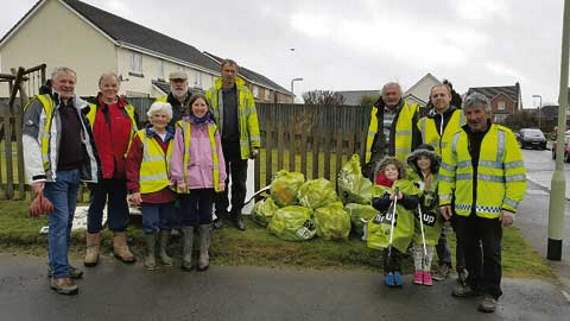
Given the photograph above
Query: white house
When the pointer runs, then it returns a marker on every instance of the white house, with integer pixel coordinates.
(93, 41)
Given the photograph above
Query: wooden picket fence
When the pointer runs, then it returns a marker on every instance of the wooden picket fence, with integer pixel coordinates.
(313, 140)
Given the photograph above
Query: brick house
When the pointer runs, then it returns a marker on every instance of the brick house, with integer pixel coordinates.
(505, 100)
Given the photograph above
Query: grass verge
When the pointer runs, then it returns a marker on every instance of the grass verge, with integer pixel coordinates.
(256, 247)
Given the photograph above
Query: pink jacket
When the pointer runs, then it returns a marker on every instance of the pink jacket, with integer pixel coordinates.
(200, 169)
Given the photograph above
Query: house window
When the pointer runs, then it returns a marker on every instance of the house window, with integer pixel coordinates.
(501, 105)
(267, 94)
(198, 81)
(161, 70)
(136, 63)
(255, 91)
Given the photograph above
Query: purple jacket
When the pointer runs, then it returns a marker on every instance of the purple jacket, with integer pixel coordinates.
(200, 169)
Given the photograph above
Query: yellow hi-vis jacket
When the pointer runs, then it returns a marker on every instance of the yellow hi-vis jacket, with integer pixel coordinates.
(186, 129)
(501, 174)
(42, 145)
(247, 115)
(154, 169)
(431, 135)
(403, 134)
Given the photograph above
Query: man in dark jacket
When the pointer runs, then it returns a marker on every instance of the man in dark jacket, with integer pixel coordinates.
(399, 118)
(437, 128)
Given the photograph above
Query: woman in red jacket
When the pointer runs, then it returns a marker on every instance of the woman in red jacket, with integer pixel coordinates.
(113, 123)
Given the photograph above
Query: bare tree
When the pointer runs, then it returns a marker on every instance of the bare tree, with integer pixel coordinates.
(323, 97)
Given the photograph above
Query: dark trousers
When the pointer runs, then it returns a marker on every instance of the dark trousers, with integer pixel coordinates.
(112, 192)
(393, 262)
(444, 253)
(237, 169)
(481, 240)
(197, 207)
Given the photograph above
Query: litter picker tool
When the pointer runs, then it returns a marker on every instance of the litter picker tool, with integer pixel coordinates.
(392, 223)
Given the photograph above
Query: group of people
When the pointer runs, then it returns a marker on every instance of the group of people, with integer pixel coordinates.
(449, 165)
(176, 168)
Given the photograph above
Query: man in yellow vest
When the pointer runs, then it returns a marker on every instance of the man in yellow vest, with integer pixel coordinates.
(59, 153)
(437, 128)
(234, 112)
(393, 127)
(484, 173)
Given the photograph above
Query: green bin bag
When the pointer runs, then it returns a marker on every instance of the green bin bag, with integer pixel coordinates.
(263, 211)
(332, 221)
(352, 186)
(317, 193)
(292, 223)
(285, 186)
(359, 212)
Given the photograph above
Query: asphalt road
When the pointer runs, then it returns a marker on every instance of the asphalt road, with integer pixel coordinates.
(113, 291)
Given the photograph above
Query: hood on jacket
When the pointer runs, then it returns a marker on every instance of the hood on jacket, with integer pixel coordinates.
(393, 161)
(427, 151)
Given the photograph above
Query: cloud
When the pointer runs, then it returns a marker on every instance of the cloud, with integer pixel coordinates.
(502, 70)
(481, 10)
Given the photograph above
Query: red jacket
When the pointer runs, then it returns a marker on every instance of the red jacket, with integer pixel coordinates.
(111, 132)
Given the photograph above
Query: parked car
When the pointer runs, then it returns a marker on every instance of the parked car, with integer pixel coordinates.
(566, 147)
(531, 138)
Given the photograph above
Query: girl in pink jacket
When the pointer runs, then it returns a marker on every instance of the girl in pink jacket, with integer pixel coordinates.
(197, 170)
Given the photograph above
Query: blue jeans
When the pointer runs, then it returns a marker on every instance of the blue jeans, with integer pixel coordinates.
(157, 217)
(63, 194)
(112, 192)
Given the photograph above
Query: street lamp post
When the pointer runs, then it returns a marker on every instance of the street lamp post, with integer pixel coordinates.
(539, 108)
(293, 85)
(557, 201)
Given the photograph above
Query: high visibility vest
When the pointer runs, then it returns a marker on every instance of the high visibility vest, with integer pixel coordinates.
(186, 128)
(430, 132)
(501, 174)
(247, 115)
(44, 133)
(130, 112)
(88, 174)
(403, 134)
(153, 174)
(161, 99)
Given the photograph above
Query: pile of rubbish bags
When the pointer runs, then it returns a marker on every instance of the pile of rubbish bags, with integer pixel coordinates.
(299, 209)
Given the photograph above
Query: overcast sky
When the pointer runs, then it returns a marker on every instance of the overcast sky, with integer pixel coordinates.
(360, 44)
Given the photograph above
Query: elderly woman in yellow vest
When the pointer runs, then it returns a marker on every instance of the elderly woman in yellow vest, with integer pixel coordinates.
(148, 181)
(198, 172)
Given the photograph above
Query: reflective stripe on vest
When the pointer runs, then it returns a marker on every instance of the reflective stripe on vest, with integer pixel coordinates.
(154, 166)
(186, 128)
(491, 177)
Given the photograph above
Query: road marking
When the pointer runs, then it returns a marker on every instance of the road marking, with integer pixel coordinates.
(536, 192)
(566, 295)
